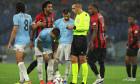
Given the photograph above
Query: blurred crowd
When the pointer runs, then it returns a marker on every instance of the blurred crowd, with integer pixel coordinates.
(115, 12)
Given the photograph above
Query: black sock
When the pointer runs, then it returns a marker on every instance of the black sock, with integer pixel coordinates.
(102, 70)
(128, 69)
(46, 65)
(134, 71)
(32, 66)
(94, 68)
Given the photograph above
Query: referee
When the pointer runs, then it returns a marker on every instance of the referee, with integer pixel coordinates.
(79, 44)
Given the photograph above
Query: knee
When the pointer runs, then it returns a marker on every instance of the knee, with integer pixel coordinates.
(127, 62)
(51, 63)
(74, 61)
(82, 61)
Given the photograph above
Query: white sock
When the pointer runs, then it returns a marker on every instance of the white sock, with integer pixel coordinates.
(67, 70)
(21, 77)
(55, 66)
(50, 70)
(23, 70)
(39, 67)
(98, 76)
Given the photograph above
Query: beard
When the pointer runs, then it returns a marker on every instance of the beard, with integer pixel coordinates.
(67, 19)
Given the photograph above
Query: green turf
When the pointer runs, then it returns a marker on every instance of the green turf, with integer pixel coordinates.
(9, 74)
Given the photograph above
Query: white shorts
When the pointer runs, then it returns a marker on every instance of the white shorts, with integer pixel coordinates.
(22, 48)
(38, 52)
(64, 49)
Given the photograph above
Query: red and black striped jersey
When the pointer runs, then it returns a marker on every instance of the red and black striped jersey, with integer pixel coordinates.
(97, 21)
(132, 32)
(48, 19)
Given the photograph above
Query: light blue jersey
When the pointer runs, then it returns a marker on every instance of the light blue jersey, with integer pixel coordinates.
(66, 35)
(45, 38)
(24, 21)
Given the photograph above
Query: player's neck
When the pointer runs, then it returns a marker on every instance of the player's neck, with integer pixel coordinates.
(80, 11)
(95, 13)
(132, 24)
(46, 13)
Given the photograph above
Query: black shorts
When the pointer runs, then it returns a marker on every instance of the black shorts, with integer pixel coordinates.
(97, 54)
(132, 52)
(79, 45)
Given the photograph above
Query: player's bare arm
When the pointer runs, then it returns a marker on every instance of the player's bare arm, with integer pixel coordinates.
(15, 28)
(31, 39)
(95, 30)
(39, 23)
(39, 46)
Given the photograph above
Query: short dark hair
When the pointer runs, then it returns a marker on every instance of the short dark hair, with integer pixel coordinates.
(56, 32)
(133, 16)
(45, 3)
(66, 11)
(77, 3)
(20, 7)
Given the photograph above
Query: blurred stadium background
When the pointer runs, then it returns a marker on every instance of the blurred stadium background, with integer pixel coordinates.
(115, 12)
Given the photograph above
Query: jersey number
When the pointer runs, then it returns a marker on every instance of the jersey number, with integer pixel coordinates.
(26, 24)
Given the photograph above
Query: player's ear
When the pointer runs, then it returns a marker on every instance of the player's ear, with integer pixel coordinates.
(44, 9)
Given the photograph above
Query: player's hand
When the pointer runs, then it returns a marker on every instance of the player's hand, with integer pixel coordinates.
(31, 45)
(127, 48)
(70, 27)
(91, 46)
(9, 46)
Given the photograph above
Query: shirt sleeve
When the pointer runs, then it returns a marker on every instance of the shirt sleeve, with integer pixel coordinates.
(136, 31)
(41, 36)
(56, 23)
(94, 23)
(15, 20)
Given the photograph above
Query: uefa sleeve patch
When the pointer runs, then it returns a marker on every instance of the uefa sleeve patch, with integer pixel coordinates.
(136, 31)
(94, 23)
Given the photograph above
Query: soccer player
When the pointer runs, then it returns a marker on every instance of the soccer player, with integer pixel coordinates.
(48, 17)
(97, 47)
(43, 47)
(64, 47)
(20, 33)
(79, 43)
(132, 49)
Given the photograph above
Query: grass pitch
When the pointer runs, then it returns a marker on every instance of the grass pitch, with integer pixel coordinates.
(9, 74)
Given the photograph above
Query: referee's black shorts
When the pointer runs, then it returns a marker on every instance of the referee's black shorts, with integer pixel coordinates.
(79, 45)
(132, 52)
(97, 54)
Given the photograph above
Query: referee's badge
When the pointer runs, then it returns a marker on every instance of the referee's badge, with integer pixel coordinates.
(78, 21)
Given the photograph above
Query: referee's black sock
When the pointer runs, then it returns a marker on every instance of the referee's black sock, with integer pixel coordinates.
(128, 69)
(102, 70)
(134, 71)
(32, 66)
(46, 65)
